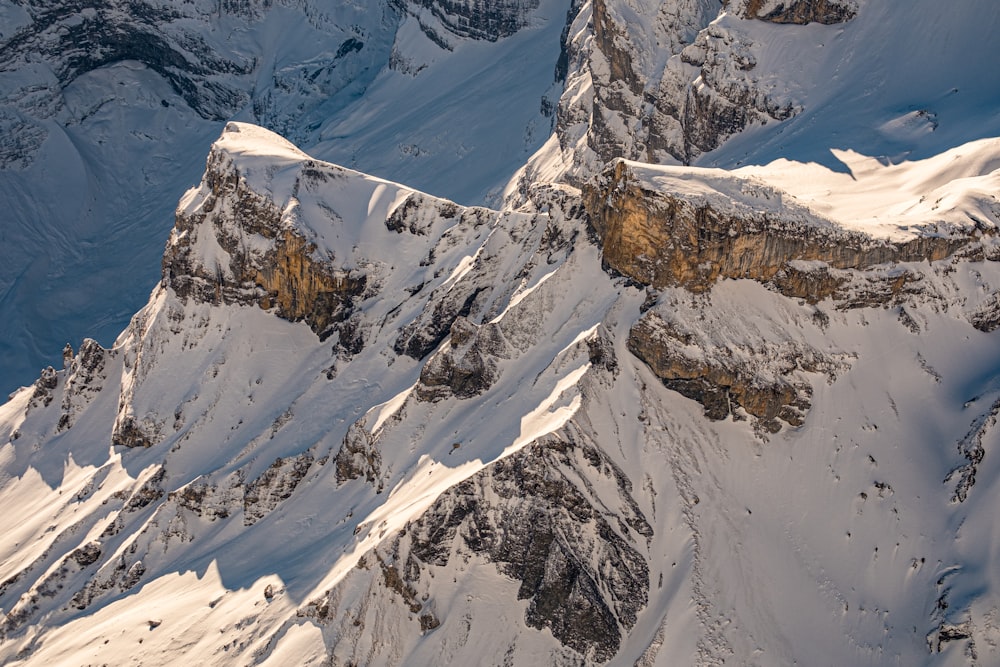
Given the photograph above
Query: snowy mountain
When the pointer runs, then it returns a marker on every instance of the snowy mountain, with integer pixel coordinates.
(107, 108)
(670, 401)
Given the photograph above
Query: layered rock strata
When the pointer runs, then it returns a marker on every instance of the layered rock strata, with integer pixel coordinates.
(722, 382)
(663, 239)
(477, 20)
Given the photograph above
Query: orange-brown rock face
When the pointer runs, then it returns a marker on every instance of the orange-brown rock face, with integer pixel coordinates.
(301, 288)
(664, 240)
(609, 39)
(281, 271)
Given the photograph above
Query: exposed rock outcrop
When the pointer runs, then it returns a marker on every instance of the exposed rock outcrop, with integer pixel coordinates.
(44, 387)
(52, 586)
(800, 11)
(207, 499)
(81, 37)
(451, 300)
(285, 274)
(468, 366)
(359, 457)
(767, 382)
(85, 376)
(583, 579)
(617, 88)
(131, 433)
(478, 20)
(663, 239)
(972, 449)
(987, 317)
(558, 517)
(714, 93)
(669, 103)
(150, 491)
(214, 500)
(613, 43)
(275, 485)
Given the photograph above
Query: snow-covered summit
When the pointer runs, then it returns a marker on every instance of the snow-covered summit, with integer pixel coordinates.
(355, 421)
(646, 415)
(106, 109)
(248, 144)
(331, 207)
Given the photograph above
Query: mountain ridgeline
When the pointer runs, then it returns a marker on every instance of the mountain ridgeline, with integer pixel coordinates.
(662, 401)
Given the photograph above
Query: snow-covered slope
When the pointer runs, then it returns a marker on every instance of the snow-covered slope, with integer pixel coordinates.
(740, 410)
(106, 109)
(356, 422)
(739, 82)
(949, 193)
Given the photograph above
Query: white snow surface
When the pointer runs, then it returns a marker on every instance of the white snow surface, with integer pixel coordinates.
(87, 209)
(835, 542)
(841, 541)
(948, 194)
(895, 83)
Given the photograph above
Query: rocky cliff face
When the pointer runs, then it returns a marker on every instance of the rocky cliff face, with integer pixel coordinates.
(529, 517)
(664, 83)
(662, 239)
(800, 11)
(467, 18)
(266, 261)
(726, 382)
(675, 416)
(79, 38)
(668, 82)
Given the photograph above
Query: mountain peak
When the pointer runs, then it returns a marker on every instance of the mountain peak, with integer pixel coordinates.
(247, 143)
(271, 226)
(648, 414)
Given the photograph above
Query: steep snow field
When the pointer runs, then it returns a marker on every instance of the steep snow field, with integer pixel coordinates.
(891, 84)
(86, 212)
(842, 541)
(467, 464)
